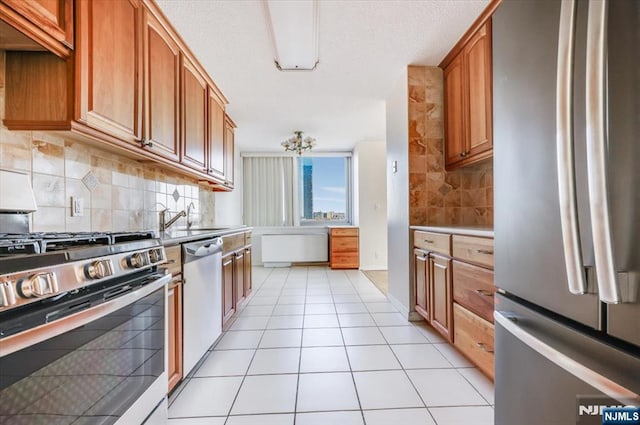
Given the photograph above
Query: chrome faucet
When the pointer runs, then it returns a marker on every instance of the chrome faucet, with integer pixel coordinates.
(164, 224)
(189, 220)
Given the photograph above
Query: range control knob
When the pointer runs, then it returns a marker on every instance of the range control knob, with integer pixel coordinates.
(137, 260)
(156, 255)
(7, 295)
(99, 269)
(38, 285)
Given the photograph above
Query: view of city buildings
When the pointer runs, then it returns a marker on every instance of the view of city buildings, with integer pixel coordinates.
(328, 203)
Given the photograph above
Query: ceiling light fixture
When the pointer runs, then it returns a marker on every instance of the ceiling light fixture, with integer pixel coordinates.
(298, 144)
(293, 26)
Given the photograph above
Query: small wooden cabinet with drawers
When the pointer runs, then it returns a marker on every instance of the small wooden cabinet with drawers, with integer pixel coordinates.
(344, 252)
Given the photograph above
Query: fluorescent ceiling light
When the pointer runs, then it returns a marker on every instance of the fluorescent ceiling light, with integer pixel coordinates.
(294, 33)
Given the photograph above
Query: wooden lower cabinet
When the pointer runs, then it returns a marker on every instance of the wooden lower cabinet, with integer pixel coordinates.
(474, 337)
(440, 289)
(247, 271)
(228, 304)
(421, 272)
(239, 269)
(174, 301)
(344, 248)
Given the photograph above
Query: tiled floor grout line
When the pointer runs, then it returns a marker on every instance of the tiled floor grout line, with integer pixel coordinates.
(295, 406)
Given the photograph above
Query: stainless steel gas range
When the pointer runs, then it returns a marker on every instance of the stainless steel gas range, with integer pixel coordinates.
(82, 328)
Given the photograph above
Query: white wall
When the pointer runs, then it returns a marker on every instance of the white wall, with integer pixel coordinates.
(228, 208)
(398, 194)
(370, 203)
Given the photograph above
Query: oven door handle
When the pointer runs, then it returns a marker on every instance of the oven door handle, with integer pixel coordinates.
(33, 336)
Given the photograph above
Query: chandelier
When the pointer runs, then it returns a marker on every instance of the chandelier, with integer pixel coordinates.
(298, 144)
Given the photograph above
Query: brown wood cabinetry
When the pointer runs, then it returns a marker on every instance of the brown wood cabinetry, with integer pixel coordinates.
(344, 250)
(239, 269)
(137, 91)
(228, 287)
(49, 23)
(467, 98)
(474, 337)
(161, 89)
(108, 63)
(455, 295)
(216, 129)
(441, 300)
(194, 115)
(421, 283)
(229, 147)
(174, 307)
(247, 271)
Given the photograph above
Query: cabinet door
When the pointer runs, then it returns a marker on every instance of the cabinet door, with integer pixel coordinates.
(228, 306)
(161, 83)
(247, 272)
(421, 277)
(193, 113)
(239, 271)
(108, 63)
(441, 301)
(228, 152)
(478, 63)
(174, 302)
(454, 116)
(49, 21)
(216, 137)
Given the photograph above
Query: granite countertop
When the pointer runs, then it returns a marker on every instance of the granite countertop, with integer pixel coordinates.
(172, 237)
(481, 231)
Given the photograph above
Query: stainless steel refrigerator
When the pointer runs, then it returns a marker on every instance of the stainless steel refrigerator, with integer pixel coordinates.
(566, 93)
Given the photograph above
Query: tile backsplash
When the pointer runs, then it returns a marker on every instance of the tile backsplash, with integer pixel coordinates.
(438, 197)
(128, 194)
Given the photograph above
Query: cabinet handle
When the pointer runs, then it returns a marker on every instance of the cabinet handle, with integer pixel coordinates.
(483, 347)
(484, 292)
(145, 143)
(484, 251)
(428, 241)
(463, 154)
(172, 261)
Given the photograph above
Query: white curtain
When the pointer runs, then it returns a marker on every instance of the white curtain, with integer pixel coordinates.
(268, 191)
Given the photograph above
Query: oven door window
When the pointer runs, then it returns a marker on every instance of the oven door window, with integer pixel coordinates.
(90, 375)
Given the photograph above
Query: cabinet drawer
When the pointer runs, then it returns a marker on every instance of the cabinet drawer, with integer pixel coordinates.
(474, 250)
(433, 242)
(247, 238)
(473, 288)
(474, 337)
(344, 244)
(345, 261)
(174, 259)
(344, 231)
(232, 242)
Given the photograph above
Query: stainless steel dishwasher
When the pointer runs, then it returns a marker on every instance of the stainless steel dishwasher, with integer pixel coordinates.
(202, 317)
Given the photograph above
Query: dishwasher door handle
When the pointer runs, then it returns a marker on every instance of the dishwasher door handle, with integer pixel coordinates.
(204, 249)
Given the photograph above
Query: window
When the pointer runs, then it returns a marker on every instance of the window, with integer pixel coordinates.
(324, 190)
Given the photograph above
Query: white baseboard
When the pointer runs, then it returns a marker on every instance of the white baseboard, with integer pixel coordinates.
(397, 304)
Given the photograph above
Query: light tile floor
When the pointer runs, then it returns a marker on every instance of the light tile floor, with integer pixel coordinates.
(314, 346)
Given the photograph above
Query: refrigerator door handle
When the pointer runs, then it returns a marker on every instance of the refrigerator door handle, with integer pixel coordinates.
(564, 145)
(608, 288)
(589, 376)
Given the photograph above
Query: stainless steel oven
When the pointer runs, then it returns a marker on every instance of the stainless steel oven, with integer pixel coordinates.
(93, 353)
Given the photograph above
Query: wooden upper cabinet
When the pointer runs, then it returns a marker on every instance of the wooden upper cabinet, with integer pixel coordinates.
(193, 113)
(468, 101)
(108, 62)
(162, 89)
(216, 137)
(454, 111)
(478, 58)
(229, 143)
(47, 22)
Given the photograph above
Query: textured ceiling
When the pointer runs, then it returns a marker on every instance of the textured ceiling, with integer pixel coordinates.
(363, 48)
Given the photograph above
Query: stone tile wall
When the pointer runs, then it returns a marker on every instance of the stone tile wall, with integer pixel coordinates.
(128, 194)
(436, 197)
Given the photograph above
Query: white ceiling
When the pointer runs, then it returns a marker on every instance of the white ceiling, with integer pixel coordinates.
(363, 48)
